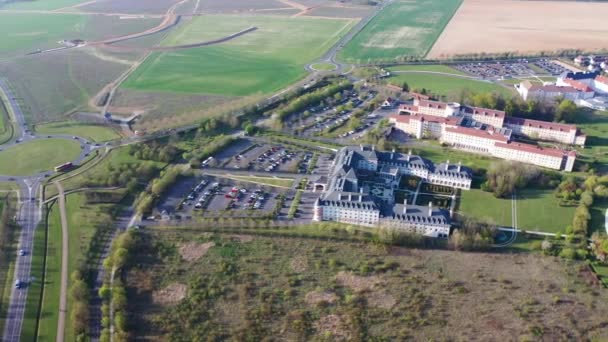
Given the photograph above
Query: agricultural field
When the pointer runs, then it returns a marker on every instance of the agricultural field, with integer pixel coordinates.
(537, 210)
(445, 85)
(37, 156)
(27, 32)
(243, 287)
(128, 7)
(69, 82)
(495, 26)
(97, 133)
(262, 61)
(38, 5)
(403, 28)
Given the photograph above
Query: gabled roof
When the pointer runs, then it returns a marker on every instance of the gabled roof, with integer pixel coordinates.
(486, 134)
(554, 152)
(554, 126)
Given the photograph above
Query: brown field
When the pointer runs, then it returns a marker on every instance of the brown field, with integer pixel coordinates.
(298, 289)
(494, 26)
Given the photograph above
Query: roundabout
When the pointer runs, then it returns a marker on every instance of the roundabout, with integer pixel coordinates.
(323, 66)
(39, 155)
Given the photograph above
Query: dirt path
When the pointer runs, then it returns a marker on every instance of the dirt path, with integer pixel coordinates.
(63, 298)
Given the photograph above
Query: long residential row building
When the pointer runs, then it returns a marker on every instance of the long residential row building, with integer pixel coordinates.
(490, 132)
(361, 190)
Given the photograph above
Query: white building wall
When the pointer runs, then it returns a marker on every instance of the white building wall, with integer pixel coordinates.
(547, 161)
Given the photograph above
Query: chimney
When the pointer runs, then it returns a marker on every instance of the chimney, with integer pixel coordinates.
(361, 194)
(447, 165)
(404, 206)
(392, 154)
(350, 197)
(361, 145)
(373, 147)
(409, 154)
(430, 208)
(459, 166)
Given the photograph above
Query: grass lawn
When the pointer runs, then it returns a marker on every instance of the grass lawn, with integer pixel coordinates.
(96, 133)
(403, 28)
(47, 327)
(37, 156)
(272, 181)
(444, 85)
(432, 150)
(427, 67)
(537, 210)
(261, 61)
(595, 126)
(34, 290)
(6, 127)
(323, 66)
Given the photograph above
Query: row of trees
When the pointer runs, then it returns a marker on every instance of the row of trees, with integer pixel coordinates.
(311, 99)
(206, 149)
(113, 292)
(125, 175)
(473, 234)
(79, 299)
(505, 177)
(593, 187)
(154, 151)
(159, 185)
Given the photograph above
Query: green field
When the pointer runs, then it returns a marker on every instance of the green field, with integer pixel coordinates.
(96, 133)
(403, 28)
(427, 67)
(40, 4)
(262, 61)
(37, 156)
(595, 126)
(444, 85)
(537, 210)
(26, 32)
(47, 326)
(323, 66)
(6, 128)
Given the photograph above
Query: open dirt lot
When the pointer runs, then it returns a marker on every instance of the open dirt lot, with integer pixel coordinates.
(493, 26)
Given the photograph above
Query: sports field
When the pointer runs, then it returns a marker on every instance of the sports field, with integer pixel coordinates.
(37, 156)
(537, 210)
(451, 86)
(403, 28)
(494, 26)
(261, 61)
(92, 132)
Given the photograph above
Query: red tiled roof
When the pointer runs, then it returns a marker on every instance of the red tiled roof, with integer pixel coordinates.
(539, 124)
(450, 120)
(551, 88)
(602, 79)
(408, 108)
(485, 111)
(432, 104)
(578, 85)
(419, 96)
(487, 134)
(554, 152)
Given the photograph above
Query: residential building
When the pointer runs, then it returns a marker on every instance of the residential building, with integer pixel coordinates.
(549, 92)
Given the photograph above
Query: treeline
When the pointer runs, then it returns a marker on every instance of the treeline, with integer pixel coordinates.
(504, 177)
(313, 98)
(124, 175)
(207, 149)
(79, 299)
(154, 191)
(113, 292)
(473, 234)
(585, 192)
(155, 151)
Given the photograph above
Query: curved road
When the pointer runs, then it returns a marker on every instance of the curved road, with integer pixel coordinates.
(30, 212)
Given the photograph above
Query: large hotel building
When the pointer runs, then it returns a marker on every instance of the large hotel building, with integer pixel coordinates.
(488, 131)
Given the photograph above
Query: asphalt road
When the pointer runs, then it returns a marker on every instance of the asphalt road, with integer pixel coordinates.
(29, 212)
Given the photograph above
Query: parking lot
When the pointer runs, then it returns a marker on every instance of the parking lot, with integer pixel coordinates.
(511, 69)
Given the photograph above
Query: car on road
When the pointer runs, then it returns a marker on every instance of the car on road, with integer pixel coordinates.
(18, 284)
(21, 252)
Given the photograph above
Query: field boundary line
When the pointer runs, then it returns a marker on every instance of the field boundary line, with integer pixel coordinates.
(430, 48)
(63, 300)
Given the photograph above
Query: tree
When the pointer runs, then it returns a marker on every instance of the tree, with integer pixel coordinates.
(405, 87)
(566, 111)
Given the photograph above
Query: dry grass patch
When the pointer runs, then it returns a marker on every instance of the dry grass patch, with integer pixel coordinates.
(317, 297)
(358, 283)
(335, 326)
(171, 294)
(193, 251)
(299, 264)
(242, 238)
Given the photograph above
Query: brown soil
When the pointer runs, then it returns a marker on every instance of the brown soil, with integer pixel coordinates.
(381, 299)
(242, 238)
(494, 26)
(334, 325)
(171, 294)
(316, 297)
(193, 251)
